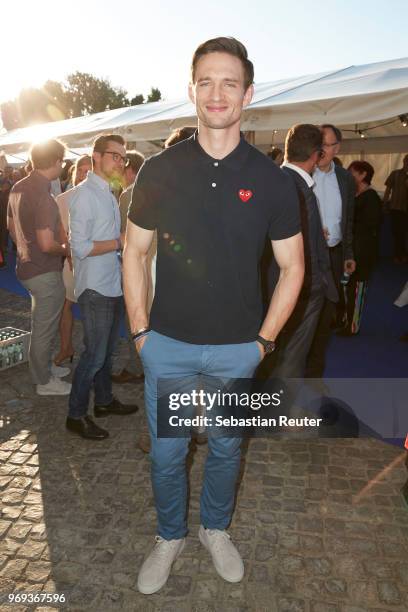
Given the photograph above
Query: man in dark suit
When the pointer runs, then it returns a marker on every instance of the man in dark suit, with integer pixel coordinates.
(303, 150)
(334, 190)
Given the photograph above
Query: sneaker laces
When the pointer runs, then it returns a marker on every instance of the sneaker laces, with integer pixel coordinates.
(218, 538)
(162, 548)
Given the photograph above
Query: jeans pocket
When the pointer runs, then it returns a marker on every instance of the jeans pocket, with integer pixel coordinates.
(260, 355)
(142, 350)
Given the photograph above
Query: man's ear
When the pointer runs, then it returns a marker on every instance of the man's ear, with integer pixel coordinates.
(248, 96)
(191, 92)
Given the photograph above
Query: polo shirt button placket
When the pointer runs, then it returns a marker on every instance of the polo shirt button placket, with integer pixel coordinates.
(214, 184)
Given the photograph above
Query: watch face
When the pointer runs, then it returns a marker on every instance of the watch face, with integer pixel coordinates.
(269, 347)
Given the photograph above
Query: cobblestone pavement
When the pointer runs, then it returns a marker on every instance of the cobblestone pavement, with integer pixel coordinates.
(77, 517)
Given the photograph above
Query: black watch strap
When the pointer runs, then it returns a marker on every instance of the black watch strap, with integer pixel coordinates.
(269, 345)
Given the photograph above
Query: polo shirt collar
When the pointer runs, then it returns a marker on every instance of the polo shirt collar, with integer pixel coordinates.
(234, 160)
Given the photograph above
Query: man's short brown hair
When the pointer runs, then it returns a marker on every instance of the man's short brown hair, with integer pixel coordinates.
(178, 135)
(225, 44)
(101, 143)
(44, 155)
(135, 160)
(302, 140)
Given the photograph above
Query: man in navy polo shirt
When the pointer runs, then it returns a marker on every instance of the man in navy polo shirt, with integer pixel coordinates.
(214, 200)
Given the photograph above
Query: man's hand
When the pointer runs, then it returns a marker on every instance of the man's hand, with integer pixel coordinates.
(140, 343)
(261, 349)
(349, 266)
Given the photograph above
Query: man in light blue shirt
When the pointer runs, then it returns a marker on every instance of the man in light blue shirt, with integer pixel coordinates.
(334, 190)
(94, 224)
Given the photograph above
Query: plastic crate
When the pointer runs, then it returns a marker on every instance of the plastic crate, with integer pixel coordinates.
(14, 345)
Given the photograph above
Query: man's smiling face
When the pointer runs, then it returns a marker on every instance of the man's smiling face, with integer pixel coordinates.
(218, 91)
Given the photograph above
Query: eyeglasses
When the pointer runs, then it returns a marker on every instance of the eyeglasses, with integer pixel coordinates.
(328, 145)
(117, 157)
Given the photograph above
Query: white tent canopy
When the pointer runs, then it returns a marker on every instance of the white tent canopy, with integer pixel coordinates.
(369, 98)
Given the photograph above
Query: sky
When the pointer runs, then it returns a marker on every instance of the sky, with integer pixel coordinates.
(139, 44)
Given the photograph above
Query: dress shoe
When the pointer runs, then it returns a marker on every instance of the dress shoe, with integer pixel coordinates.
(115, 407)
(86, 428)
(127, 377)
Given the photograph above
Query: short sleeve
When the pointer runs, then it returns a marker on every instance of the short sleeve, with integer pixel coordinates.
(46, 214)
(285, 218)
(144, 203)
(390, 180)
(124, 202)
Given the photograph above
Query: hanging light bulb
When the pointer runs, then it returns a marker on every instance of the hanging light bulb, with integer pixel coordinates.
(361, 133)
(404, 120)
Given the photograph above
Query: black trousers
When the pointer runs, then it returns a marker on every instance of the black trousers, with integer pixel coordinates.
(295, 340)
(316, 359)
(297, 337)
(399, 226)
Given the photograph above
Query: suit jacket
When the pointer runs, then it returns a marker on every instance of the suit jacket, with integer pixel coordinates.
(347, 192)
(318, 275)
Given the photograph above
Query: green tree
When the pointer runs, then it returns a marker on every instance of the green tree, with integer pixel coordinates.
(87, 94)
(138, 99)
(154, 95)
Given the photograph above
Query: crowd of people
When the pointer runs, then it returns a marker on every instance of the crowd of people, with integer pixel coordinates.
(183, 237)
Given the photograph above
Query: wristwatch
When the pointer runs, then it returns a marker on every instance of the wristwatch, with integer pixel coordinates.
(269, 345)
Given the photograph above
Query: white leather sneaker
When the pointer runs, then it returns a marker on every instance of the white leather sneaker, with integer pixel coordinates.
(58, 371)
(54, 386)
(156, 568)
(227, 560)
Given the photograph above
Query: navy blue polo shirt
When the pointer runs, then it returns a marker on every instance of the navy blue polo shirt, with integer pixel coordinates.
(212, 219)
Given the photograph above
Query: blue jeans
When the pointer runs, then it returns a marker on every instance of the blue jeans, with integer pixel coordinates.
(101, 317)
(164, 357)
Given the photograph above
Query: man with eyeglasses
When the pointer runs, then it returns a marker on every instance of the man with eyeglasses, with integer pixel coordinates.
(94, 224)
(334, 189)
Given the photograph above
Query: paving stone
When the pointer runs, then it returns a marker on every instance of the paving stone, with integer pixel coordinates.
(318, 606)
(318, 566)
(4, 527)
(389, 593)
(206, 588)
(31, 550)
(14, 568)
(33, 513)
(20, 482)
(38, 571)
(291, 605)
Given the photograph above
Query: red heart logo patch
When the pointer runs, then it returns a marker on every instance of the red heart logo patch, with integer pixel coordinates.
(245, 194)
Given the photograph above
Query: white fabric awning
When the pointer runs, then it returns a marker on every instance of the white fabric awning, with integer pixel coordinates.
(353, 97)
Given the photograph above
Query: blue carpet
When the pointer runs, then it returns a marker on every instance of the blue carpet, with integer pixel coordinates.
(376, 352)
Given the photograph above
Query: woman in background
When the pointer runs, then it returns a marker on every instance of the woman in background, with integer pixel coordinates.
(367, 217)
(66, 351)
